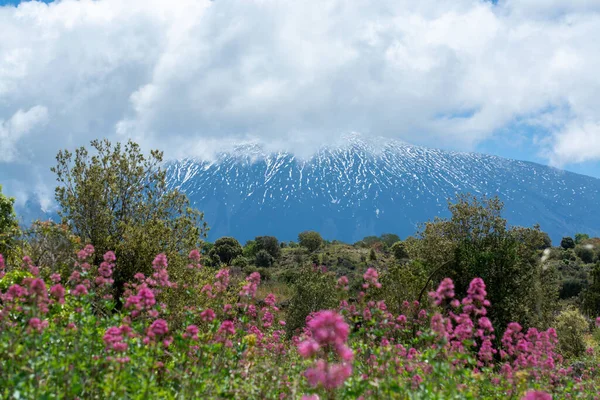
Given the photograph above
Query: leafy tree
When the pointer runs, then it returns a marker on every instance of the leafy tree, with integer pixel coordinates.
(571, 328)
(310, 239)
(227, 248)
(118, 199)
(567, 243)
(268, 243)
(372, 255)
(591, 296)
(581, 237)
(264, 259)
(9, 227)
(389, 239)
(475, 242)
(52, 247)
(399, 251)
(586, 253)
(314, 290)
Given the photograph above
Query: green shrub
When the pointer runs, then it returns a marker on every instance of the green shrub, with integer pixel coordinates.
(13, 277)
(314, 290)
(571, 327)
(263, 259)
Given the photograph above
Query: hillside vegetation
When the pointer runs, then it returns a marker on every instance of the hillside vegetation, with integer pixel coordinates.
(125, 299)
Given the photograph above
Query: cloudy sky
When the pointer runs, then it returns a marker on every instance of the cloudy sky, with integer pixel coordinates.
(517, 78)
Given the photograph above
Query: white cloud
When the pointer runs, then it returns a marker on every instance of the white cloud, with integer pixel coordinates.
(189, 75)
(17, 127)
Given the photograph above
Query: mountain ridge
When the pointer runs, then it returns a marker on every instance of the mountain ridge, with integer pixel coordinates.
(364, 187)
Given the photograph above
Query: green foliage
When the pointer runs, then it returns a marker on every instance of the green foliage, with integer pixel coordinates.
(581, 237)
(567, 243)
(399, 250)
(240, 261)
(586, 253)
(51, 247)
(311, 240)
(263, 259)
(268, 243)
(118, 199)
(475, 242)
(591, 296)
(227, 248)
(13, 277)
(389, 239)
(402, 282)
(314, 290)
(372, 255)
(9, 227)
(571, 328)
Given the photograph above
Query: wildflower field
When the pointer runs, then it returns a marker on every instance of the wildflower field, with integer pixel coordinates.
(69, 337)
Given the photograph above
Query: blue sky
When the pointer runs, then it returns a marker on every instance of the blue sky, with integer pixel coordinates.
(515, 78)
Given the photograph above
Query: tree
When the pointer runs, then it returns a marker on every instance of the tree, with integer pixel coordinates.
(372, 255)
(263, 259)
(586, 253)
(567, 243)
(475, 242)
(9, 227)
(118, 199)
(310, 239)
(389, 239)
(581, 237)
(227, 248)
(399, 251)
(268, 243)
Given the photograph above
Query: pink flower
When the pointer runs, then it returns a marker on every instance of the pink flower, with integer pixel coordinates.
(310, 397)
(330, 376)
(537, 395)
(158, 328)
(160, 262)
(227, 327)
(308, 348)
(270, 300)
(191, 331)
(147, 298)
(194, 255)
(79, 290)
(371, 277)
(55, 278)
(37, 325)
(342, 283)
(444, 292)
(598, 322)
(58, 292)
(328, 327)
(207, 315)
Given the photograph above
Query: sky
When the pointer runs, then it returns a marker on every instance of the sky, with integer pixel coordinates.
(515, 78)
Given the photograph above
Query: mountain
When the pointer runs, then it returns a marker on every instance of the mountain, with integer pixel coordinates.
(368, 187)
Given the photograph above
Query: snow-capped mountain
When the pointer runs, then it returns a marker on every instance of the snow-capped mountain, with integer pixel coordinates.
(371, 187)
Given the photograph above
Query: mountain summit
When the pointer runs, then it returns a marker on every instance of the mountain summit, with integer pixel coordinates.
(368, 187)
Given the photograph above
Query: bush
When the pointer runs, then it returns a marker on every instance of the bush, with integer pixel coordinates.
(311, 240)
(399, 251)
(586, 253)
(567, 243)
(227, 248)
(263, 259)
(314, 290)
(571, 327)
(268, 243)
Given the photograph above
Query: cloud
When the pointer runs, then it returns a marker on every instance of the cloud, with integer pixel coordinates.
(192, 75)
(17, 127)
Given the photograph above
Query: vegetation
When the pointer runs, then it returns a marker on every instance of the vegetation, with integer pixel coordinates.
(118, 199)
(467, 308)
